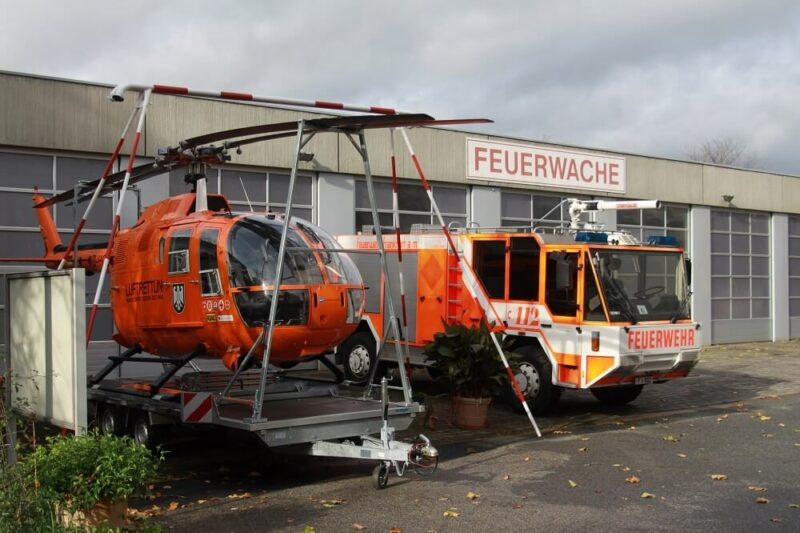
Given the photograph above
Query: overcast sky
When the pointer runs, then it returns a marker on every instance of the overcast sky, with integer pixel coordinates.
(653, 77)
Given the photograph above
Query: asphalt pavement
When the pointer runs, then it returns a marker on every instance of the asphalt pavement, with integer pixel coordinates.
(717, 450)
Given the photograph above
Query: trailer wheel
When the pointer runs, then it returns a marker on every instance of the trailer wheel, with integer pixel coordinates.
(617, 395)
(146, 433)
(111, 420)
(534, 377)
(380, 476)
(358, 356)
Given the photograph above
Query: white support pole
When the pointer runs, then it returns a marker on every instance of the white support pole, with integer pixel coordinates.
(144, 102)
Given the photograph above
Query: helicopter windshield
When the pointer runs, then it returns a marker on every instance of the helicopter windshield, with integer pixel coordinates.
(338, 265)
(642, 285)
(253, 245)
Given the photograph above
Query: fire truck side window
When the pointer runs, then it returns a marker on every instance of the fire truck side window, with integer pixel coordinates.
(209, 271)
(561, 286)
(489, 260)
(179, 251)
(524, 269)
(592, 305)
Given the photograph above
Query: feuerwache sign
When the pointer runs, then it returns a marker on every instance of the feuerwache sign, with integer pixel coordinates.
(546, 167)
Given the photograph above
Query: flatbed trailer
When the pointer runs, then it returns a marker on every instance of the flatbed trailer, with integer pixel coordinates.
(299, 414)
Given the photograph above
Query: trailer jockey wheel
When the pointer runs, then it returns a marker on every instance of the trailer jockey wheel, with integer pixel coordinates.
(111, 420)
(534, 377)
(380, 476)
(358, 356)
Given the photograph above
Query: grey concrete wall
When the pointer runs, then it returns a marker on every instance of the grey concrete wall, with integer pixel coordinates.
(779, 276)
(700, 251)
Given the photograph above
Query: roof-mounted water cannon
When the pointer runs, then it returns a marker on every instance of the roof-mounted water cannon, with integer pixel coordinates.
(578, 207)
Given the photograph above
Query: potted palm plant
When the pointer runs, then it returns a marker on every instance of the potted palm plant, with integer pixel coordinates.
(466, 361)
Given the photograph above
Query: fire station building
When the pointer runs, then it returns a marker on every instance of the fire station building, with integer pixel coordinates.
(741, 228)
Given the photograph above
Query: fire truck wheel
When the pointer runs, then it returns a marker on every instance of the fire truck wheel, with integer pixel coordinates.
(534, 377)
(358, 356)
(111, 420)
(618, 395)
(146, 433)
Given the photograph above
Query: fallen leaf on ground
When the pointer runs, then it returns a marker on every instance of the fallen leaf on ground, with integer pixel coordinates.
(718, 477)
(632, 428)
(671, 438)
(450, 514)
(527, 459)
(166, 487)
(762, 499)
(632, 480)
(472, 495)
(395, 530)
(561, 432)
(794, 506)
(585, 438)
(647, 495)
(506, 477)
(776, 520)
(682, 455)
(781, 425)
(626, 469)
(309, 529)
(327, 504)
(172, 506)
(756, 489)
(201, 502)
(472, 450)
(443, 498)
(358, 527)
(583, 449)
(572, 483)
(239, 496)
(764, 417)
(616, 465)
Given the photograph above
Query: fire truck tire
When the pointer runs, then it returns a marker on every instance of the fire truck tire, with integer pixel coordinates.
(617, 395)
(145, 433)
(111, 420)
(534, 376)
(358, 356)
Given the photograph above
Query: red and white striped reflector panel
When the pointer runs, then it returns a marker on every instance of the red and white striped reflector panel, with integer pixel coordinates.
(197, 407)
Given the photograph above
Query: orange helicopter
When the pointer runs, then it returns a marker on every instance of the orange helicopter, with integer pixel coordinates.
(193, 277)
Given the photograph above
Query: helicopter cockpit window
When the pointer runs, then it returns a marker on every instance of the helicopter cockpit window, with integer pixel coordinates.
(339, 267)
(253, 246)
(179, 251)
(209, 270)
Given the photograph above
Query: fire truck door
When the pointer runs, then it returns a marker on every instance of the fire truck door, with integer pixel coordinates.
(561, 285)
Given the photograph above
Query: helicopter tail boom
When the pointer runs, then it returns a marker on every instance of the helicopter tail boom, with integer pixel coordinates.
(52, 240)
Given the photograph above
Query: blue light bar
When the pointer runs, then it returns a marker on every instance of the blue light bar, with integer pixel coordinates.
(662, 240)
(592, 236)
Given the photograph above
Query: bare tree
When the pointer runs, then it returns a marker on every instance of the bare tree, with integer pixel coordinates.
(729, 151)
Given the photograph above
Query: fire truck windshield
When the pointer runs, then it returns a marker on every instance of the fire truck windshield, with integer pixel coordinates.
(644, 285)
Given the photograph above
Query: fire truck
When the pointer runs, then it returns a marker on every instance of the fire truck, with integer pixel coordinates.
(581, 307)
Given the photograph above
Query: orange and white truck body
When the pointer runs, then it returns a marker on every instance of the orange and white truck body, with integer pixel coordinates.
(605, 311)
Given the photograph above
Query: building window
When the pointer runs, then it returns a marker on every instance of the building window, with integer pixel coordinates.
(670, 220)
(527, 209)
(260, 191)
(414, 207)
(739, 265)
(794, 266)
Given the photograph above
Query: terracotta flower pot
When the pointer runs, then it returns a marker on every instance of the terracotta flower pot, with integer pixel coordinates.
(470, 413)
(111, 514)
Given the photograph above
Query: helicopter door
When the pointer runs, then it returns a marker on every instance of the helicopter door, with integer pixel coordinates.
(183, 299)
(214, 305)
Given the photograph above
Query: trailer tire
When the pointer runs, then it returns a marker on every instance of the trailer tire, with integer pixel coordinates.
(358, 356)
(617, 396)
(111, 420)
(145, 433)
(534, 377)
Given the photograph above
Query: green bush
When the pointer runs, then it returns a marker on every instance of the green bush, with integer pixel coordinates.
(467, 361)
(80, 471)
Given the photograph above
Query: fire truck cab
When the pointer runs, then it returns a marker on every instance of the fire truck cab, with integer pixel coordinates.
(582, 308)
